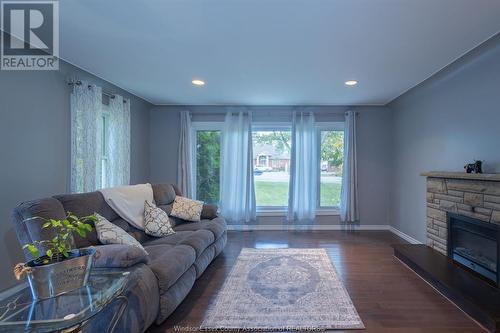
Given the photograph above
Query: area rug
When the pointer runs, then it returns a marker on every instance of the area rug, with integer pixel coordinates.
(282, 290)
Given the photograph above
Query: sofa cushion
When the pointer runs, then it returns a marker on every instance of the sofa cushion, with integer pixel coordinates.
(199, 240)
(118, 256)
(157, 251)
(217, 226)
(177, 190)
(84, 204)
(164, 194)
(204, 260)
(173, 239)
(209, 211)
(171, 299)
(31, 230)
(139, 235)
(169, 263)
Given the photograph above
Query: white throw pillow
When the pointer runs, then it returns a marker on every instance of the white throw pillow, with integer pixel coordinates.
(128, 202)
(187, 209)
(109, 233)
(156, 222)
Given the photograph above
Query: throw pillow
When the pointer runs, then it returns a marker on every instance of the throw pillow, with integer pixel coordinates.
(187, 209)
(108, 233)
(156, 222)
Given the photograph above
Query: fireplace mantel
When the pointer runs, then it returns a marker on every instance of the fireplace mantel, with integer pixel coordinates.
(473, 195)
(494, 177)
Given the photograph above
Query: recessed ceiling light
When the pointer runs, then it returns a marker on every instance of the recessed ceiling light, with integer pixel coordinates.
(198, 82)
(351, 83)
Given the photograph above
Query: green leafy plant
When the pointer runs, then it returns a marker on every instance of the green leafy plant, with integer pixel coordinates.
(208, 166)
(58, 248)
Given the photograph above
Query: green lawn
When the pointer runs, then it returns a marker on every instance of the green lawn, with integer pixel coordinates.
(276, 194)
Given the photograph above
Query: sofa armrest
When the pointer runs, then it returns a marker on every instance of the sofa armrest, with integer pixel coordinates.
(209, 211)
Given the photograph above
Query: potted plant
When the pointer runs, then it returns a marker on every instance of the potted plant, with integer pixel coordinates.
(61, 268)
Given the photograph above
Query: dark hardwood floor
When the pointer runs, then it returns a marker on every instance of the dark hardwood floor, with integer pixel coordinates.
(388, 296)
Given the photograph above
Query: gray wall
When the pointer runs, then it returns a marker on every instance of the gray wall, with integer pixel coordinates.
(447, 121)
(374, 154)
(35, 144)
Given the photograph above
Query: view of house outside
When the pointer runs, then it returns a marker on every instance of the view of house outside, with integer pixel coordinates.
(271, 159)
(272, 151)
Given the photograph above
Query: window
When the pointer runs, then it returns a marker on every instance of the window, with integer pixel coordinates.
(271, 163)
(207, 145)
(97, 118)
(331, 161)
(271, 150)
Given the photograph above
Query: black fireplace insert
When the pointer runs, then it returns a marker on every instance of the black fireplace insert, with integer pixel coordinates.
(475, 244)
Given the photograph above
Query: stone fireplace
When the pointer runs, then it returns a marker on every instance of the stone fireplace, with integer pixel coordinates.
(476, 196)
(463, 223)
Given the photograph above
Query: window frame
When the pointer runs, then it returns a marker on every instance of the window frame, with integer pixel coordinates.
(268, 211)
(197, 126)
(271, 126)
(326, 126)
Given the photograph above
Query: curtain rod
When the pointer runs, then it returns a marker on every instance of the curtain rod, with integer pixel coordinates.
(79, 83)
(254, 112)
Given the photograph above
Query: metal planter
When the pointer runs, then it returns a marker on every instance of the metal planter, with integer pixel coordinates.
(60, 277)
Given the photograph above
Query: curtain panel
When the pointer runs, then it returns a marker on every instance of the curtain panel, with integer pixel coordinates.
(304, 170)
(237, 191)
(349, 194)
(185, 177)
(86, 144)
(117, 168)
(100, 154)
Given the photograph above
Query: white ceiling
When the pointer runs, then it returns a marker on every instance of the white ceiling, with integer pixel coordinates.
(271, 52)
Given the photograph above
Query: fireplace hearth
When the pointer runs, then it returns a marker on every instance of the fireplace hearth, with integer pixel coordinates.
(474, 244)
(461, 257)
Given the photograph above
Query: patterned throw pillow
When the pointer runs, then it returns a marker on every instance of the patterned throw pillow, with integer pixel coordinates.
(156, 222)
(108, 233)
(187, 209)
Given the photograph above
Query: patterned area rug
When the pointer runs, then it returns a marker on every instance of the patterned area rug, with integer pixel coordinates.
(285, 290)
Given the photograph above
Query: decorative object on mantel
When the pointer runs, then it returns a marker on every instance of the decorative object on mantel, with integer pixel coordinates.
(61, 269)
(476, 167)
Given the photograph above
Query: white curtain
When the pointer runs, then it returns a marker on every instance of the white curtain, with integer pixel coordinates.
(237, 192)
(86, 134)
(349, 193)
(304, 171)
(117, 167)
(185, 177)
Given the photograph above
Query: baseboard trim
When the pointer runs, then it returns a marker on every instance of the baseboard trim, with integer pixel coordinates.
(406, 237)
(333, 227)
(298, 227)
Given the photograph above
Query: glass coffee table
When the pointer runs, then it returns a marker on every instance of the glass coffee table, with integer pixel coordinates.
(69, 312)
